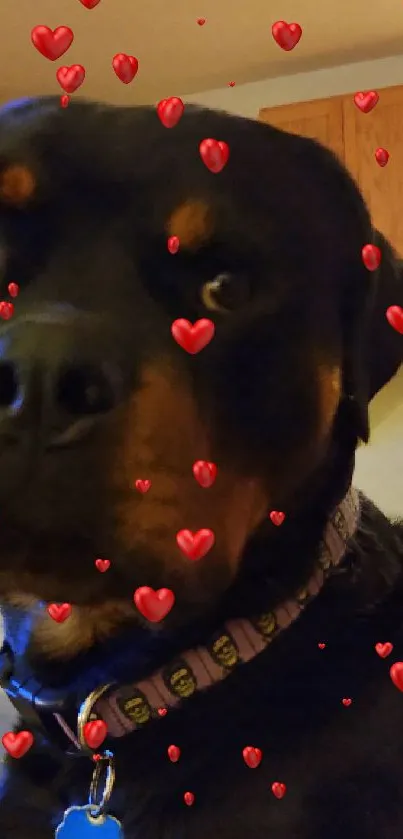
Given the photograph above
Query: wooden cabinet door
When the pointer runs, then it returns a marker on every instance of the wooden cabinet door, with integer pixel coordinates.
(382, 187)
(321, 120)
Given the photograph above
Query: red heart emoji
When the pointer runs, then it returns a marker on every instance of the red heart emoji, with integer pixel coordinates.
(142, 486)
(193, 338)
(189, 798)
(276, 517)
(162, 712)
(174, 753)
(125, 67)
(279, 790)
(170, 111)
(17, 744)
(201, 21)
(90, 4)
(286, 35)
(214, 154)
(195, 545)
(346, 702)
(59, 612)
(231, 84)
(384, 650)
(366, 101)
(71, 78)
(396, 674)
(6, 310)
(102, 565)
(252, 756)
(205, 473)
(64, 100)
(13, 289)
(321, 646)
(371, 257)
(173, 244)
(52, 43)
(395, 317)
(154, 605)
(95, 733)
(382, 156)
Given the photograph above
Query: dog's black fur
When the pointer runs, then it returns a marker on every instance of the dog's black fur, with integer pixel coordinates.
(289, 224)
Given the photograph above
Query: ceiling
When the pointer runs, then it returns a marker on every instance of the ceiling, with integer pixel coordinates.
(176, 55)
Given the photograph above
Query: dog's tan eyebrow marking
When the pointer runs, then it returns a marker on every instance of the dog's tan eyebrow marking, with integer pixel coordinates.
(17, 185)
(192, 223)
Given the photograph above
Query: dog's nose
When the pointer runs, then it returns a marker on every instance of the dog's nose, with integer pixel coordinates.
(56, 377)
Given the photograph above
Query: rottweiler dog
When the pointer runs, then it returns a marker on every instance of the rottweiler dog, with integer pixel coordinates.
(203, 619)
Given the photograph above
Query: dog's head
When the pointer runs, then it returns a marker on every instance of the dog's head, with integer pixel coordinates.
(95, 393)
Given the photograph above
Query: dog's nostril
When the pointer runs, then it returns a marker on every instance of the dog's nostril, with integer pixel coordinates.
(85, 390)
(8, 384)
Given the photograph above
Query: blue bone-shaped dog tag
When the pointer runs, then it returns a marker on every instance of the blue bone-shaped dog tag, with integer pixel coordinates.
(78, 824)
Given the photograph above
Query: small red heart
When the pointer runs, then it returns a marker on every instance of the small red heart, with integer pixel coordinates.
(162, 712)
(193, 337)
(347, 702)
(395, 317)
(214, 154)
(205, 473)
(276, 517)
(154, 605)
(286, 35)
(125, 67)
(321, 646)
(59, 612)
(142, 486)
(195, 545)
(201, 21)
(170, 111)
(252, 756)
(371, 257)
(102, 565)
(279, 790)
(13, 289)
(231, 84)
(189, 798)
(396, 674)
(71, 78)
(382, 156)
(173, 244)
(384, 650)
(174, 753)
(95, 733)
(64, 100)
(366, 101)
(17, 744)
(90, 4)
(6, 310)
(52, 43)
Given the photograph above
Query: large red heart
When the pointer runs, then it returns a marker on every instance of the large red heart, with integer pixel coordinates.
(95, 732)
(394, 315)
(366, 101)
(252, 756)
(396, 674)
(384, 650)
(195, 545)
(170, 111)
(193, 337)
(59, 612)
(71, 78)
(90, 4)
(214, 154)
(125, 67)
(52, 43)
(205, 473)
(286, 35)
(371, 257)
(154, 605)
(17, 744)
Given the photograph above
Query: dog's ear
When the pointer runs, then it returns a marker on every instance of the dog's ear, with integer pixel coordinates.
(385, 344)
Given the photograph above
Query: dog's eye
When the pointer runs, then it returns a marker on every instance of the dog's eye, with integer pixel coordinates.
(226, 293)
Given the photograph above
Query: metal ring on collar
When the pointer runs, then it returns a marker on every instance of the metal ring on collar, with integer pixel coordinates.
(96, 809)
